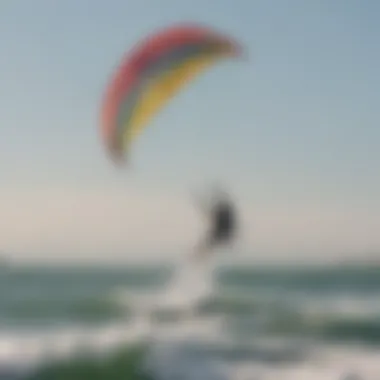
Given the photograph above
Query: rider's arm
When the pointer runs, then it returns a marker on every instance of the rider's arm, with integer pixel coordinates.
(203, 205)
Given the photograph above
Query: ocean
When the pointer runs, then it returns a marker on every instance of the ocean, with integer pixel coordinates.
(248, 322)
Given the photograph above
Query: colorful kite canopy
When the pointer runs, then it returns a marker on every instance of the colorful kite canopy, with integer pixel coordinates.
(154, 72)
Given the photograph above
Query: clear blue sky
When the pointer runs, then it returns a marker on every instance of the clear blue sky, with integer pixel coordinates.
(296, 128)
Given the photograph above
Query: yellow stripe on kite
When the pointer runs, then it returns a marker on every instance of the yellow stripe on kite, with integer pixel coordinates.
(161, 89)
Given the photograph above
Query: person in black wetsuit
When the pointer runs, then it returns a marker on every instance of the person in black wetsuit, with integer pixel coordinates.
(222, 217)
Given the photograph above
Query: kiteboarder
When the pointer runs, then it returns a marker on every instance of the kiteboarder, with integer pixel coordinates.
(222, 217)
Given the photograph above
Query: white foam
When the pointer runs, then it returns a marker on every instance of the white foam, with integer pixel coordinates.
(353, 307)
(332, 363)
(189, 285)
(170, 362)
(31, 348)
(169, 357)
